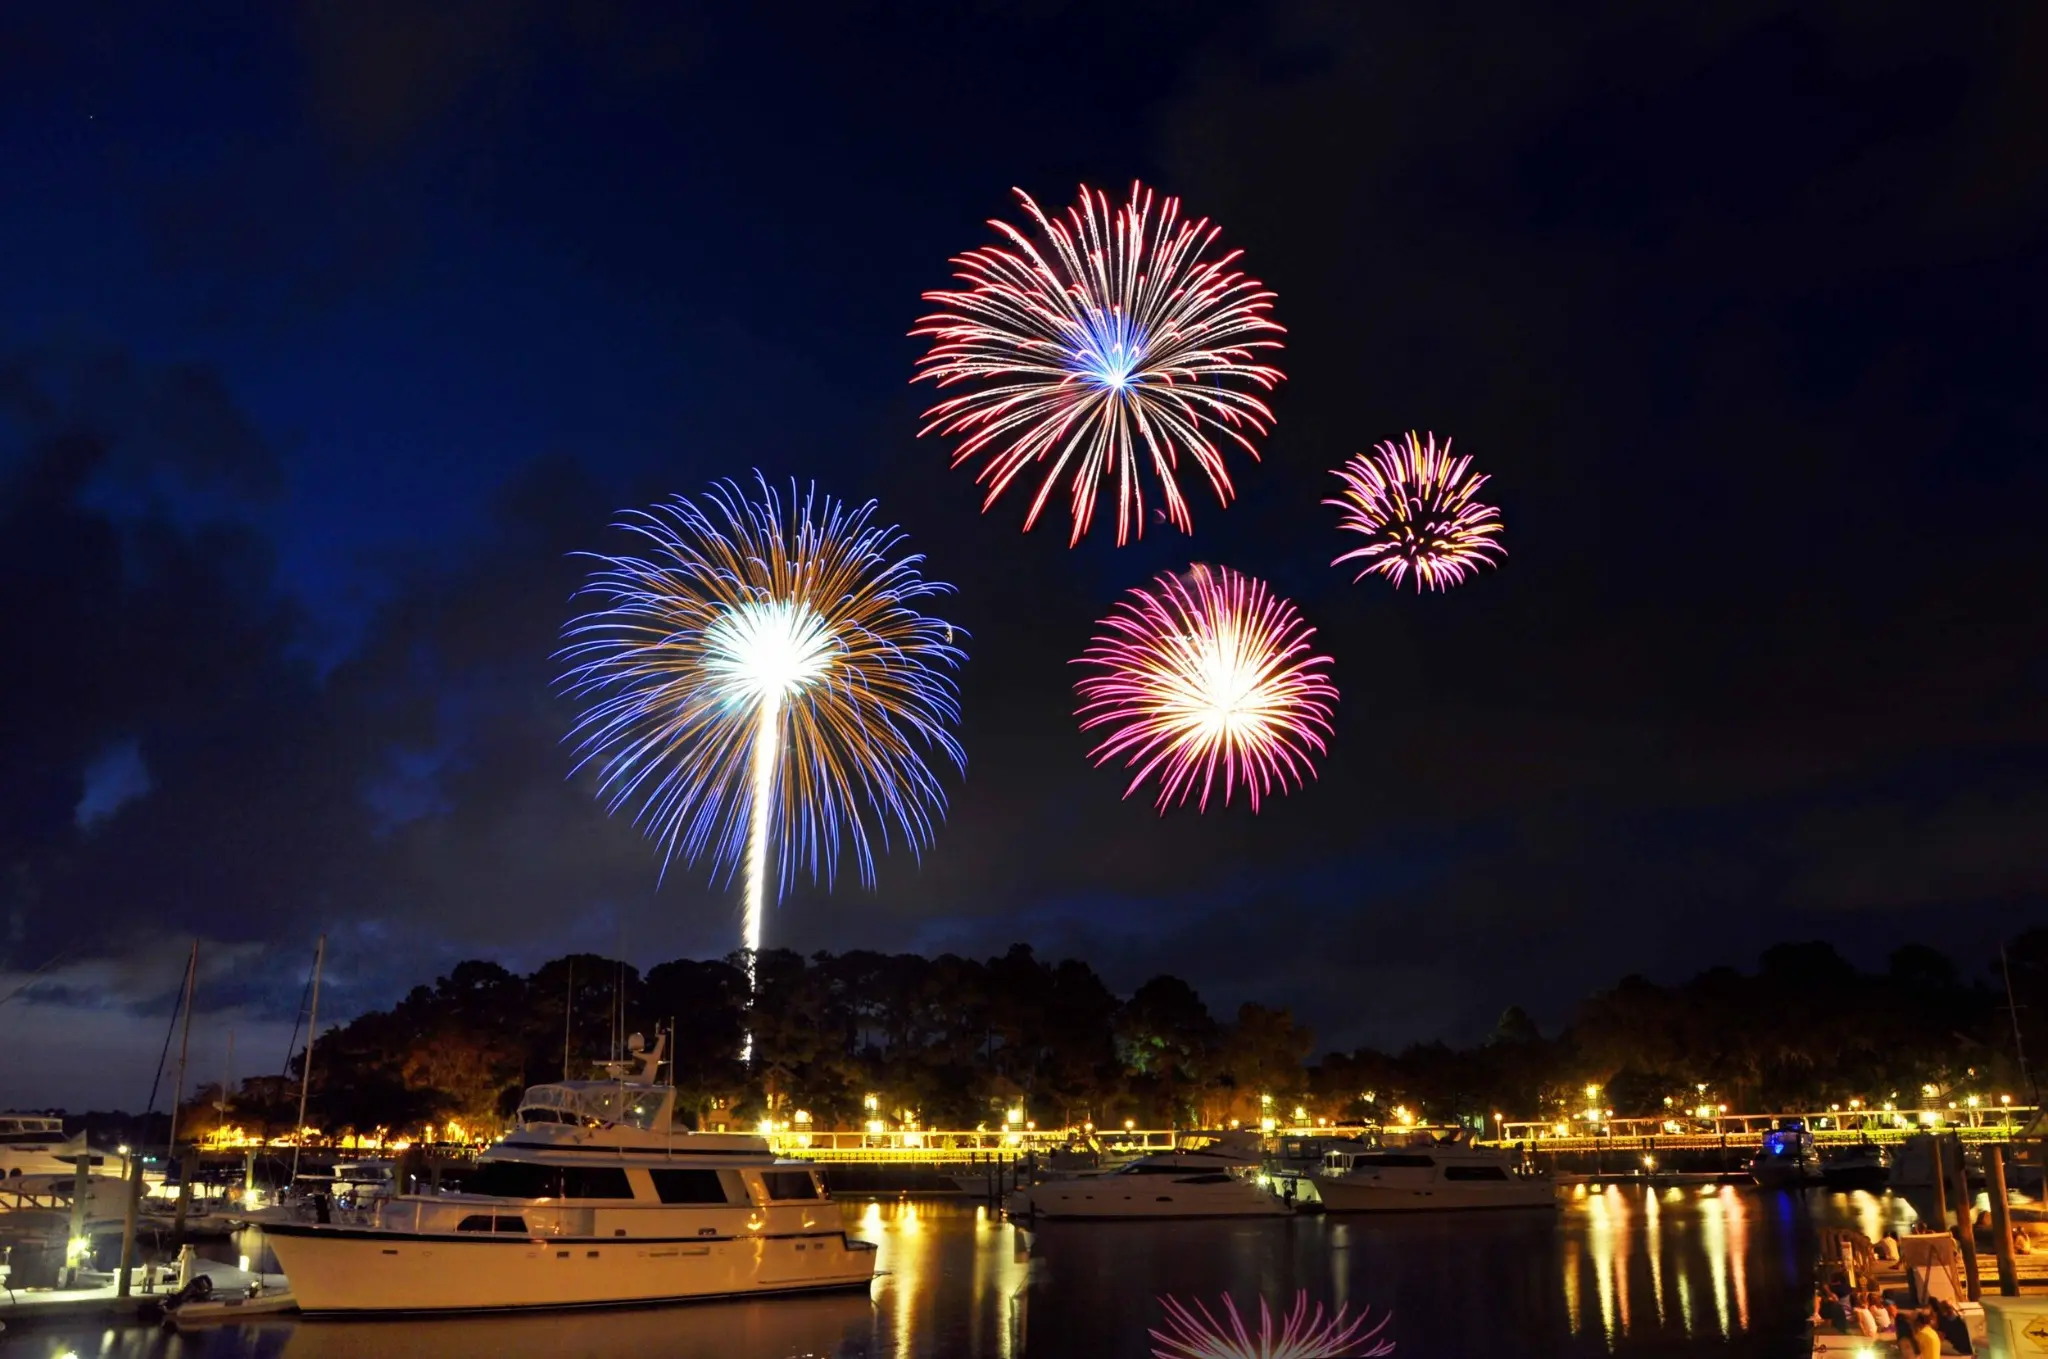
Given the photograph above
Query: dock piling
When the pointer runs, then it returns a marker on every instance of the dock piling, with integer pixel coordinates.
(1966, 1230)
(74, 1240)
(2001, 1221)
(131, 1202)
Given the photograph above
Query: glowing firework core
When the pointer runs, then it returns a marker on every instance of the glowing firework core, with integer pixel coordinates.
(1210, 676)
(768, 649)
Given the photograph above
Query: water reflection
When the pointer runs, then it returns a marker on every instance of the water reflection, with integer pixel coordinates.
(1623, 1271)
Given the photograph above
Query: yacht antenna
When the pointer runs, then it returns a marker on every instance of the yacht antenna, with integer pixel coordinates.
(2012, 1008)
(227, 1077)
(312, 1037)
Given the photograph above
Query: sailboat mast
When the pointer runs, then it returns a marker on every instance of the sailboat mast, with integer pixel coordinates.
(312, 1037)
(184, 1046)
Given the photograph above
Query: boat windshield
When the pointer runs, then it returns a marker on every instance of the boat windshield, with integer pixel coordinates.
(606, 1103)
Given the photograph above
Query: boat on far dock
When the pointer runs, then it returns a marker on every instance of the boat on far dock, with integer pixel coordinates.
(1209, 1175)
(1788, 1158)
(1446, 1174)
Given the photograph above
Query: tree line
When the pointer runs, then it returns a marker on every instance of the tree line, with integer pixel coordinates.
(952, 1042)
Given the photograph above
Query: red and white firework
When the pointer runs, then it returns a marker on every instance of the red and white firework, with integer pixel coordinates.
(1110, 343)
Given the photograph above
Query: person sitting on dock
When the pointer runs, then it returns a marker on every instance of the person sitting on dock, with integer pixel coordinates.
(2022, 1244)
(1830, 1310)
(1888, 1246)
(1866, 1314)
(1926, 1341)
(1954, 1331)
(1902, 1331)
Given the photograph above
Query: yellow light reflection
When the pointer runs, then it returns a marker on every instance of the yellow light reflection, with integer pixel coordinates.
(912, 1284)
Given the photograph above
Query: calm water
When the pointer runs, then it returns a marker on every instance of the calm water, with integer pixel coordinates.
(1634, 1272)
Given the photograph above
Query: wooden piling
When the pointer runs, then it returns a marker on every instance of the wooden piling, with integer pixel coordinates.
(2001, 1221)
(188, 1166)
(1939, 1175)
(1966, 1230)
(81, 1190)
(131, 1197)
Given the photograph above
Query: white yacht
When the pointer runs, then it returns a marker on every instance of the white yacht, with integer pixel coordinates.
(36, 1158)
(1449, 1173)
(596, 1199)
(1213, 1180)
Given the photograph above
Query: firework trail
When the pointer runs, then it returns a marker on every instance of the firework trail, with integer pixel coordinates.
(1196, 1333)
(761, 684)
(1417, 507)
(1115, 344)
(1207, 677)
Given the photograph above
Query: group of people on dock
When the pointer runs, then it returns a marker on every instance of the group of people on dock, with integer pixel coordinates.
(1922, 1332)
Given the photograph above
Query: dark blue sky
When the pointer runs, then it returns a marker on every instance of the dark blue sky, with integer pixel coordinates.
(326, 339)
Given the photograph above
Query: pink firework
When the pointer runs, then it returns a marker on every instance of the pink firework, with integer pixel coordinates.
(1207, 677)
(1419, 510)
(1115, 345)
(1195, 1333)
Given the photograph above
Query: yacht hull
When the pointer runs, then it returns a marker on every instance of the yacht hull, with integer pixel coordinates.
(1105, 1198)
(1342, 1194)
(339, 1270)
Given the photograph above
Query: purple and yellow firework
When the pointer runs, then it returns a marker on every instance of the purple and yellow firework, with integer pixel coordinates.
(1419, 510)
(765, 675)
(1196, 1333)
(1115, 344)
(1207, 677)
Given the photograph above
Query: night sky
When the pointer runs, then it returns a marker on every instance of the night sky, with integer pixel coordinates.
(326, 336)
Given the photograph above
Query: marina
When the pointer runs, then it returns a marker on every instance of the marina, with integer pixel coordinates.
(596, 1202)
(1628, 1270)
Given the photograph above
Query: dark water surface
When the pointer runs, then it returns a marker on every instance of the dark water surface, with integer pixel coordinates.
(1627, 1271)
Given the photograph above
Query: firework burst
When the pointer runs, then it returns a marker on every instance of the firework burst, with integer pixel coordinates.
(1193, 1332)
(1207, 677)
(1418, 508)
(763, 675)
(1116, 345)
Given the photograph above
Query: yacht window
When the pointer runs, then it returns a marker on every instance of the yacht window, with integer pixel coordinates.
(476, 1222)
(1137, 1168)
(642, 1112)
(513, 1180)
(1474, 1173)
(8, 1125)
(1385, 1160)
(789, 1184)
(512, 1224)
(595, 1182)
(688, 1186)
(1207, 1179)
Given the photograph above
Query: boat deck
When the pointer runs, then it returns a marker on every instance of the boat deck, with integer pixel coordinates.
(98, 1297)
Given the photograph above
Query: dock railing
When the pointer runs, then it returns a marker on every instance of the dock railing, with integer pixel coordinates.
(1830, 1127)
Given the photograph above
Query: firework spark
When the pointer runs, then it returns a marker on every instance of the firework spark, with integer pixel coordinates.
(1115, 345)
(1207, 676)
(1196, 1333)
(762, 670)
(1418, 508)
